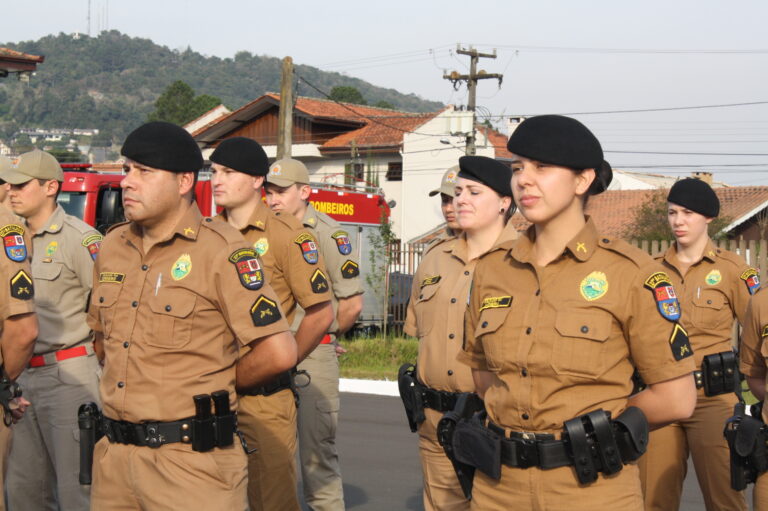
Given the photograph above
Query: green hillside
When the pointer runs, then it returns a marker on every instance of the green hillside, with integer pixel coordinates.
(111, 82)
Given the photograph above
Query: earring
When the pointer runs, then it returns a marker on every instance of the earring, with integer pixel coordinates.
(501, 211)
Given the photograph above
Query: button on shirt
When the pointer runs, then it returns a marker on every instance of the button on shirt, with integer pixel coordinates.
(569, 349)
(193, 313)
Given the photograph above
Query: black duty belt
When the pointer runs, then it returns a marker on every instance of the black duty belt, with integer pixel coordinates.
(150, 434)
(281, 382)
(524, 450)
(438, 400)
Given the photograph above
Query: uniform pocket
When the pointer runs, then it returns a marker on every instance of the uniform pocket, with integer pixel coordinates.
(103, 300)
(488, 333)
(580, 347)
(426, 309)
(710, 310)
(327, 418)
(172, 326)
(47, 271)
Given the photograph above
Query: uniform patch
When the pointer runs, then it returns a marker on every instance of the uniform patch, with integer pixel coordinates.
(319, 282)
(678, 342)
(181, 267)
(752, 279)
(51, 248)
(264, 311)
(21, 286)
(109, 276)
(713, 278)
(594, 286)
(13, 241)
(429, 281)
(350, 270)
(495, 302)
(248, 268)
(261, 246)
(342, 242)
(93, 244)
(308, 247)
(664, 294)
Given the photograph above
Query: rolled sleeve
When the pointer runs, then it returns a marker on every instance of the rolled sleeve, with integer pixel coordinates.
(751, 359)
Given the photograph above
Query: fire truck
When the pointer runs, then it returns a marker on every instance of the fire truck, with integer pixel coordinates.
(96, 197)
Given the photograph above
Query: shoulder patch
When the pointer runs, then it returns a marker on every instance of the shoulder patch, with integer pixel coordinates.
(248, 268)
(495, 302)
(93, 244)
(679, 343)
(108, 276)
(751, 279)
(13, 241)
(342, 242)
(308, 247)
(350, 269)
(264, 311)
(430, 281)
(318, 282)
(21, 286)
(664, 294)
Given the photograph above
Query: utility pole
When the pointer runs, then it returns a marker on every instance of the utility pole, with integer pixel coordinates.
(285, 119)
(472, 78)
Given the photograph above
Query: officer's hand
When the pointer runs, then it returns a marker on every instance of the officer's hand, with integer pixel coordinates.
(340, 350)
(18, 406)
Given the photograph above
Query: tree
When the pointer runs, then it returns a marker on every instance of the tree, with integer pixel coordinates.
(384, 104)
(347, 94)
(178, 104)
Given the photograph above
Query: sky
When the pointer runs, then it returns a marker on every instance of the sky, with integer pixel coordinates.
(568, 57)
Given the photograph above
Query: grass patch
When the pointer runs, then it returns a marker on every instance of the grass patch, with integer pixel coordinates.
(376, 358)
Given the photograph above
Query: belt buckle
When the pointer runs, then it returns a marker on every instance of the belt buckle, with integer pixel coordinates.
(527, 450)
(152, 435)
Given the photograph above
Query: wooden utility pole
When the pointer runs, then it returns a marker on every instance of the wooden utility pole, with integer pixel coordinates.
(285, 119)
(472, 78)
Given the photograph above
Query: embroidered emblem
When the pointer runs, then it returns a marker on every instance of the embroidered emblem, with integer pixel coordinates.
(13, 241)
(594, 286)
(261, 246)
(580, 247)
(51, 248)
(342, 242)
(21, 286)
(181, 267)
(248, 268)
(713, 278)
(93, 244)
(308, 247)
(276, 170)
(109, 276)
(350, 270)
(450, 177)
(678, 342)
(750, 277)
(264, 311)
(495, 302)
(429, 281)
(318, 282)
(664, 294)
(188, 231)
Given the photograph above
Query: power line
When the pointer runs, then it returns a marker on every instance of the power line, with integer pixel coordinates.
(688, 154)
(664, 109)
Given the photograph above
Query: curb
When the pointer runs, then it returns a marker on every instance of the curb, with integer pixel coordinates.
(375, 387)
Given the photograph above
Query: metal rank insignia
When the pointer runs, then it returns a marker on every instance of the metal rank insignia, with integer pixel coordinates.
(342, 242)
(664, 294)
(751, 278)
(13, 241)
(264, 311)
(308, 247)
(248, 268)
(93, 244)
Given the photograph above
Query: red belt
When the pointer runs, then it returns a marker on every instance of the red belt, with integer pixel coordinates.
(78, 351)
(327, 339)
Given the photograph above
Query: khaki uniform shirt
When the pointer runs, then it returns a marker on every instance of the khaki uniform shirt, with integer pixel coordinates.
(712, 293)
(174, 318)
(564, 339)
(290, 256)
(340, 260)
(18, 290)
(436, 311)
(62, 268)
(753, 352)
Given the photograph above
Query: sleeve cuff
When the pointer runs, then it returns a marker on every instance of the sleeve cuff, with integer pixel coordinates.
(669, 371)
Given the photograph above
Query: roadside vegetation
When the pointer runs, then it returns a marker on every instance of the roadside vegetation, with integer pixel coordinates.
(376, 358)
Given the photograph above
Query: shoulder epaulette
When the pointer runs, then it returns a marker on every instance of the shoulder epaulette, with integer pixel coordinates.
(621, 247)
(223, 229)
(117, 226)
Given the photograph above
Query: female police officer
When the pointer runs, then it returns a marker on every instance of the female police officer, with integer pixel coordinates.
(483, 204)
(555, 327)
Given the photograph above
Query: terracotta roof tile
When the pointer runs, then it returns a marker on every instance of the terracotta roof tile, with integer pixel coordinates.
(9, 53)
(499, 142)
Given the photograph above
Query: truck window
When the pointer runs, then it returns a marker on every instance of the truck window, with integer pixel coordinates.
(109, 209)
(73, 203)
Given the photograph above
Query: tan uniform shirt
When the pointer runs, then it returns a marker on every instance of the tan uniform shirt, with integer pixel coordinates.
(753, 352)
(18, 290)
(564, 339)
(436, 311)
(173, 319)
(62, 269)
(340, 260)
(712, 293)
(293, 263)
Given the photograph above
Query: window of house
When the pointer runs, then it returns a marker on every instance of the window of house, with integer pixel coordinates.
(354, 172)
(395, 171)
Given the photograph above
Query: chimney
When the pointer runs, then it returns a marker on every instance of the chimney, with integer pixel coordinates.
(704, 176)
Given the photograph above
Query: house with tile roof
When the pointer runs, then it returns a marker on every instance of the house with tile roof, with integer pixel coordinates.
(24, 64)
(404, 153)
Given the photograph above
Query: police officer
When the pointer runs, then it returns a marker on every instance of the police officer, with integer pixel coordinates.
(483, 203)
(556, 324)
(64, 371)
(713, 286)
(295, 268)
(176, 297)
(287, 192)
(447, 208)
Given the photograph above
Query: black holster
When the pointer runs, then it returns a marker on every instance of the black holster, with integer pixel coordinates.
(9, 390)
(466, 406)
(408, 386)
(720, 373)
(746, 436)
(90, 422)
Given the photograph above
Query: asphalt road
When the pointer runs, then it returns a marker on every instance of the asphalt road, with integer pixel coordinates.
(379, 458)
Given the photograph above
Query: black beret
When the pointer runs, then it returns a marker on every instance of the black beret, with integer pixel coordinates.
(162, 145)
(243, 155)
(492, 173)
(562, 141)
(696, 195)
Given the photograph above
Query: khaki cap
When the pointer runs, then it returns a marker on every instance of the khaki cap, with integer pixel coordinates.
(448, 183)
(5, 164)
(286, 172)
(35, 164)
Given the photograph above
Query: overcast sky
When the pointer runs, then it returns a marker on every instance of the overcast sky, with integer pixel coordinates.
(556, 56)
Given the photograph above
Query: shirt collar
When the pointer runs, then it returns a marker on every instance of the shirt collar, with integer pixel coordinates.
(505, 241)
(710, 253)
(54, 221)
(310, 217)
(187, 226)
(581, 246)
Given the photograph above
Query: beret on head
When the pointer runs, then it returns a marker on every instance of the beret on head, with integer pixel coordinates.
(162, 145)
(243, 155)
(492, 173)
(696, 195)
(562, 141)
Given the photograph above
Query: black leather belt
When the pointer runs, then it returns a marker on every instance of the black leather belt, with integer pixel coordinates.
(524, 450)
(438, 400)
(281, 382)
(150, 434)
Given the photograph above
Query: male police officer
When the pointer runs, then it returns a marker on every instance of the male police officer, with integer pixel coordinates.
(287, 192)
(296, 271)
(447, 191)
(175, 297)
